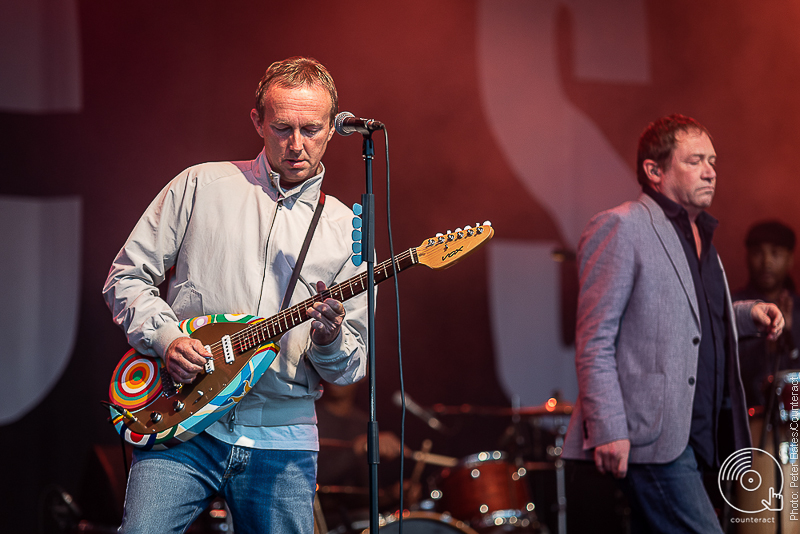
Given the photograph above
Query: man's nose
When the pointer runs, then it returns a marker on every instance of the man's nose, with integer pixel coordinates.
(709, 172)
(296, 141)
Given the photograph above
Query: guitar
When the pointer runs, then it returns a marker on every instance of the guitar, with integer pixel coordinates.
(151, 411)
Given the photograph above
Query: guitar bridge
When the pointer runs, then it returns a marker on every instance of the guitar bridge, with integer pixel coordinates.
(168, 385)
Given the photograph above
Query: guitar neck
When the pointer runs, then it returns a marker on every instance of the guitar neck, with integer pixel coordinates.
(278, 324)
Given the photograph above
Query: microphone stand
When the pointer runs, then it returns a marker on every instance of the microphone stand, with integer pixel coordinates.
(368, 253)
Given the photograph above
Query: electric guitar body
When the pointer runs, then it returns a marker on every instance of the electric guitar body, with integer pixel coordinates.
(162, 413)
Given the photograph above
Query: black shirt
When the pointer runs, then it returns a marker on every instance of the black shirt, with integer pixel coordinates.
(709, 284)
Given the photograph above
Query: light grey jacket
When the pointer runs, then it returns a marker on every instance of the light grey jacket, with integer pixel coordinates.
(638, 336)
(233, 236)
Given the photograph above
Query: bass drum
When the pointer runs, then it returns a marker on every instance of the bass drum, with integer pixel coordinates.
(424, 523)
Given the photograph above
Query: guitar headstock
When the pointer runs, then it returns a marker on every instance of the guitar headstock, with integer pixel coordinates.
(443, 250)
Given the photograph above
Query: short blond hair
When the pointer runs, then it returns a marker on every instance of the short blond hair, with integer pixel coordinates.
(297, 71)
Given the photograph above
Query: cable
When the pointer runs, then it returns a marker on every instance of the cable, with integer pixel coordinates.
(399, 343)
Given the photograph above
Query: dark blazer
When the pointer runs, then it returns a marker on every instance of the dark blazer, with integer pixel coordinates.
(638, 336)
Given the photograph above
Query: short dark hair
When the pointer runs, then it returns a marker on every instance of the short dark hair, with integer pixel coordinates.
(773, 232)
(657, 142)
(293, 72)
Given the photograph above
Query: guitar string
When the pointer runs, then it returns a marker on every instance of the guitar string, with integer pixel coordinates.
(287, 316)
(256, 330)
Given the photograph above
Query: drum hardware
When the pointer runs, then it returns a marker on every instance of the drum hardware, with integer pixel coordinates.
(561, 491)
(413, 491)
(432, 459)
(551, 407)
(539, 466)
(782, 406)
(320, 526)
(552, 417)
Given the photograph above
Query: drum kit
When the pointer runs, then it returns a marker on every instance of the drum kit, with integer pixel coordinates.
(488, 492)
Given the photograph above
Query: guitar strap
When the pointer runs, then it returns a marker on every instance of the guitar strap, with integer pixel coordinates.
(302, 256)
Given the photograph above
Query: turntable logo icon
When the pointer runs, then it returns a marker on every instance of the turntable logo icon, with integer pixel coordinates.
(738, 468)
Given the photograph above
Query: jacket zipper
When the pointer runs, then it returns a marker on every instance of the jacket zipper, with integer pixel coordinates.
(279, 205)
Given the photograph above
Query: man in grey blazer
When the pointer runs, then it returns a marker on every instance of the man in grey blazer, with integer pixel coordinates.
(660, 396)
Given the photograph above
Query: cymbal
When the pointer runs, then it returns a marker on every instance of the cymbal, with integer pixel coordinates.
(434, 459)
(551, 407)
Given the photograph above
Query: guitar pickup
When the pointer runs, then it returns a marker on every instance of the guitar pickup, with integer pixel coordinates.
(227, 348)
(169, 387)
(209, 366)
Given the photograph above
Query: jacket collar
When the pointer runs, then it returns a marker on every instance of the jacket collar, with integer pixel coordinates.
(672, 246)
(306, 192)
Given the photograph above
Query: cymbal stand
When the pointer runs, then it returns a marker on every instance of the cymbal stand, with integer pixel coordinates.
(561, 493)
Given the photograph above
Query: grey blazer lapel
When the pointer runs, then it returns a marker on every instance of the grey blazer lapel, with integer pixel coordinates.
(672, 246)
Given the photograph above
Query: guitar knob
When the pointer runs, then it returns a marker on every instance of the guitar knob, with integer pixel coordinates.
(155, 417)
(178, 405)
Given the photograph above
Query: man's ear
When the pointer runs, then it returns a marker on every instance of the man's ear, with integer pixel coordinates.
(257, 122)
(652, 171)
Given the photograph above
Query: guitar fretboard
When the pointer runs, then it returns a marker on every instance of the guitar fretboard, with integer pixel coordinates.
(262, 331)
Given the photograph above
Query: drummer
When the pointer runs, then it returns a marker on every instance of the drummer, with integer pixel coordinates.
(342, 469)
(770, 249)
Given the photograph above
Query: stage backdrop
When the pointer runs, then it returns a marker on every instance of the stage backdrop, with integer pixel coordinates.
(524, 113)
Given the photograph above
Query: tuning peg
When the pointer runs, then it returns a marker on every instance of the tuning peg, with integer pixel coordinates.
(487, 223)
(469, 230)
(440, 234)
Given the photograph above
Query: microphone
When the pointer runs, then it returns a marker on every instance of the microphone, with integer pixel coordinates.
(346, 123)
(419, 411)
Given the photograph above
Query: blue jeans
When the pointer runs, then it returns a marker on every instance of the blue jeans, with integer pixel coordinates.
(670, 498)
(266, 490)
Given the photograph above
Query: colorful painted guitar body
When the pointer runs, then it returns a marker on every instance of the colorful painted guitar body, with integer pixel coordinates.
(141, 385)
(151, 411)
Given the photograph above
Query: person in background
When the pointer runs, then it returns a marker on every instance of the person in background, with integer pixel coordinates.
(770, 256)
(343, 471)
